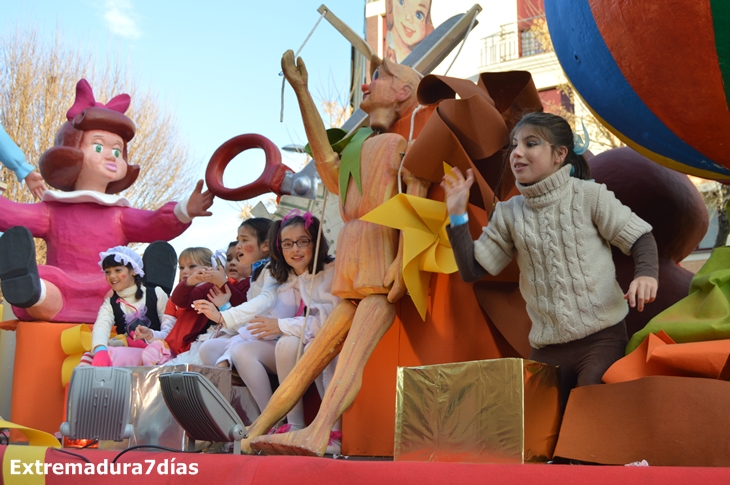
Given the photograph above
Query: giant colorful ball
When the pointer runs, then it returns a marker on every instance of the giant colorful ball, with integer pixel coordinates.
(655, 72)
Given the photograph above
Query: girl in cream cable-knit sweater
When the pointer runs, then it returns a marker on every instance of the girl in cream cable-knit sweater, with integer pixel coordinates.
(559, 227)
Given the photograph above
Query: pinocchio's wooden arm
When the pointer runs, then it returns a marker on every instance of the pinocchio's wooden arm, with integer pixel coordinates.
(325, 159)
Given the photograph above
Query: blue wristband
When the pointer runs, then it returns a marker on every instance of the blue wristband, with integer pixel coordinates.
(457, 220)
(225, 306)
(99, 348)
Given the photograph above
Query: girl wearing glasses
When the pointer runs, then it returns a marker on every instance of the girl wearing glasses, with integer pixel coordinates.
(269, 343)
(292, 259)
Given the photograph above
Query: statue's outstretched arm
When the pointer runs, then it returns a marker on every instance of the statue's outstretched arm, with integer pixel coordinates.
(325, 158)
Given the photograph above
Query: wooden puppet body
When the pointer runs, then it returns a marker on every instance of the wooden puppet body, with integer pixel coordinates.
(365, 250)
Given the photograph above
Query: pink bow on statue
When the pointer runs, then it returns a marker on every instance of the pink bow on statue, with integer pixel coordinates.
(85, 99)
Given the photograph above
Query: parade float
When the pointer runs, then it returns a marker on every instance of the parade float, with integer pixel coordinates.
(395, 349)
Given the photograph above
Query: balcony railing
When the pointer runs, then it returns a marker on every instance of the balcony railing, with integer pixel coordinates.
(513, 41)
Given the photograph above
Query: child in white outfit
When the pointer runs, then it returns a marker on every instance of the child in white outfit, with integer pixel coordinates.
(254, 352)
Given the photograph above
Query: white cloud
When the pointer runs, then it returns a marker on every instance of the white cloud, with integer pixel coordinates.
(120, 18)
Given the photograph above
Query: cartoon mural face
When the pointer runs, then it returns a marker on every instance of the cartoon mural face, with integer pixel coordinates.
(409, 17)
(408, 23)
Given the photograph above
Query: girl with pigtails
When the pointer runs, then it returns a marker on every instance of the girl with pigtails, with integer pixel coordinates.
(135, 311)
(560, 228)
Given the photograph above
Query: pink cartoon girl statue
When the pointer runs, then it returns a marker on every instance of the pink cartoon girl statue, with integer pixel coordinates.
(88, 164)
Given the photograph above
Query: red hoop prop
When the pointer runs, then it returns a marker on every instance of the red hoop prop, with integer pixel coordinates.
(269, 181)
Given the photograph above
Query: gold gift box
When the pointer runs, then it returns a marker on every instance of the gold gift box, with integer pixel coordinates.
(486, 411)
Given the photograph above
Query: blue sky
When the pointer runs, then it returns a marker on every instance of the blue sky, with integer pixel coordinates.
(215, 64)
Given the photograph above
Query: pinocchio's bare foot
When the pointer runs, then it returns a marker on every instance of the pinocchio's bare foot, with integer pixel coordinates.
(246, 446)
(305, 442)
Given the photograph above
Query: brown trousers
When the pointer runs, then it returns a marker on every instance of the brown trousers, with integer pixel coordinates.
(583, 362)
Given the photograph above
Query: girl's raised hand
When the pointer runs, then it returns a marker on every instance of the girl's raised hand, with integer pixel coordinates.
(197, 277)
(218, 297)
(217, 276)
(262, 327)
(208, 309)
(642, 290)
(456, 188)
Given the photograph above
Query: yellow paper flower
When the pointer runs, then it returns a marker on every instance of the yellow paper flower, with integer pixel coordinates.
(426, 247)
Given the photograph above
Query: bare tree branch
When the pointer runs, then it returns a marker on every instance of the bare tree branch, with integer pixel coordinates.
(38, 77)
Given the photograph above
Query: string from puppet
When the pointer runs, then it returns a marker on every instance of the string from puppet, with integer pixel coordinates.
(403, 156)
(283, 81)
(471, 26)
(314, 270)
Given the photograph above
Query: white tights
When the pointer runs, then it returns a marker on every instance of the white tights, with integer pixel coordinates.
(212, 349)
(286, 358)
(254, 360)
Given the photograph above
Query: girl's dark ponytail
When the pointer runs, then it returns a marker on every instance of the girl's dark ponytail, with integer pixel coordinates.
(278, 267)
(580, 168)
(138, 281)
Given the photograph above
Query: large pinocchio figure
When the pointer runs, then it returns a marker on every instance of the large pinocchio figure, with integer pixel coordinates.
(369, 256)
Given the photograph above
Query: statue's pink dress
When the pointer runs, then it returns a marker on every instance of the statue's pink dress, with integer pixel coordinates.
(77, 226)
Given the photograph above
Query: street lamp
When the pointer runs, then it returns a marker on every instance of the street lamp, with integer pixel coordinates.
(294, 148)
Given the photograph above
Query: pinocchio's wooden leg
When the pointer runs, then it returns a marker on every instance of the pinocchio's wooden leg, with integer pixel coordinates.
(373, 317)
(323, 349)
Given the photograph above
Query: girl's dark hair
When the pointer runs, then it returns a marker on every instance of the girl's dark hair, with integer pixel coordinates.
(232, 244)
(556, 131)
(110, 262)
(260, 227)
(278, 266)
